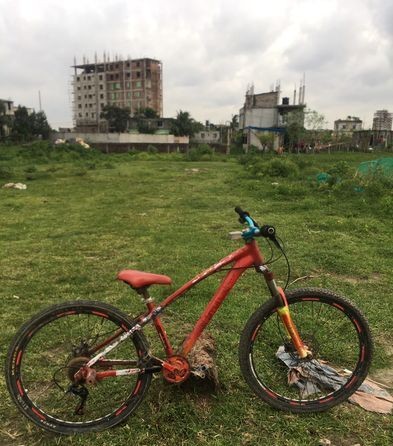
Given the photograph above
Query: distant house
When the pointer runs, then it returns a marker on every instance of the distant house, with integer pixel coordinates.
(207, 137)
(262, 113)
(348, 125)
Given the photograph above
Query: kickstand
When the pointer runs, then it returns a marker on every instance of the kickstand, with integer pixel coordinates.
(83, 393)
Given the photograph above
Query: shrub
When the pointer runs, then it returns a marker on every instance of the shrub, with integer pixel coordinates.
(203, 152)
(275, 167)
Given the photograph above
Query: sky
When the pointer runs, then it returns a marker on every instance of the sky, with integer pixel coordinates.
(211, 51)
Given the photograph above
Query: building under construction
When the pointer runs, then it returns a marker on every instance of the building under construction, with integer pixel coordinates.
(263, 113)
(382, 120)
(132, 83)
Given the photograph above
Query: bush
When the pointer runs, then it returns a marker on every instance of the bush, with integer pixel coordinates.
(275, 167)
(203, 152)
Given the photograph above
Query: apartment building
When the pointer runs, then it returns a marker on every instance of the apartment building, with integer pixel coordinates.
(135, 84)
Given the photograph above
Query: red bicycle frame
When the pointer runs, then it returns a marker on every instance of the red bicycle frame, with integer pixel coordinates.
(242, 259)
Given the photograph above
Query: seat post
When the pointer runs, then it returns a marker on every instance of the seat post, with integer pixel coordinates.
(145, 295)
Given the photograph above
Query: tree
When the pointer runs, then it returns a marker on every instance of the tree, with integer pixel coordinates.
(40, 125)
(23, 124)
(185, 125)
(146, 112)
(116, 117)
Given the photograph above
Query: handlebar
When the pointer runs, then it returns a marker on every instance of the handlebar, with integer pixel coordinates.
(254, 230)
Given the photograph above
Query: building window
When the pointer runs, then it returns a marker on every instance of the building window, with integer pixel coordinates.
(101, 87)
(138, 64)
(138, 84)
(79, 105)
(138, 74)
(89, 87)
(100, 77)
(128, 75)
(102, 105)
(117, 85)
(202, 135)
(128, 94)
(78, 88)
(127, 85)
(137, 94)
(160, 124)
(78, 79)
(101, 96)
(87, 115)
(79, 115)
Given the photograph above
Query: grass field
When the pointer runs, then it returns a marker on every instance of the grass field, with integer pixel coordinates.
(85, 217)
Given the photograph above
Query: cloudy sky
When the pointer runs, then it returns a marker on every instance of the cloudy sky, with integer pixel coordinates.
(211, 50)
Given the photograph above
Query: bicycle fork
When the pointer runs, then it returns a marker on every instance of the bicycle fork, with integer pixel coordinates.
(284, 313)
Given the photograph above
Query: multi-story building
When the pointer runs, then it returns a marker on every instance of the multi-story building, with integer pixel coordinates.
(135, 84)
(262, 113)
(348, 125)
(382, 120)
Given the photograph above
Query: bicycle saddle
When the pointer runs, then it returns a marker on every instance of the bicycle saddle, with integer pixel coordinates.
(139, 279)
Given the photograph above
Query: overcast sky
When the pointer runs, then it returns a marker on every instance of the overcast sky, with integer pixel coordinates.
(211, 50)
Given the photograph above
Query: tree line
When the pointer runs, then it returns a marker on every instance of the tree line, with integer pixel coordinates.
(118, 120)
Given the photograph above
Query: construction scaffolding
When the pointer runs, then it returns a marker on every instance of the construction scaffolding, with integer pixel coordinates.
(131, 83)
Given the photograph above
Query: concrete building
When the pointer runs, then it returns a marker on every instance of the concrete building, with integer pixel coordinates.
(262, 113)
(135, 84)
(348, 125)
(382, 120)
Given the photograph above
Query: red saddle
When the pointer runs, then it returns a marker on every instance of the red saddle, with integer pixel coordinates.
(139, 279)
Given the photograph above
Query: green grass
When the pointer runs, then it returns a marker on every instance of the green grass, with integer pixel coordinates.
(84, 217)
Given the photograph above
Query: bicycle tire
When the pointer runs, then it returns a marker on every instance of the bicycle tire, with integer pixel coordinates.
(38, 368)
(338, 318)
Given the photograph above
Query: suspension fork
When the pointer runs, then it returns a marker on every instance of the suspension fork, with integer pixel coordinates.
(283, 311)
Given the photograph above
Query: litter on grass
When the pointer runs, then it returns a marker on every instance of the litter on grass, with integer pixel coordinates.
(313, 376)
(19, 186)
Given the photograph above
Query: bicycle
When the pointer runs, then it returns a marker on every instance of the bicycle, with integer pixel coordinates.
(86, 366)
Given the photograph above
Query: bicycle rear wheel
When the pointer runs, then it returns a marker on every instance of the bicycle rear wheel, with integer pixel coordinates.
(331, 327)
(50, 348)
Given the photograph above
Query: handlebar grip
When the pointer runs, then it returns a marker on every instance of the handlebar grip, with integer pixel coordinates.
(242, 214)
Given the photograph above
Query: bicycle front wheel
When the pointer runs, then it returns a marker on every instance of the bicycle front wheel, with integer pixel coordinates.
(48, 351)
(331, 327)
